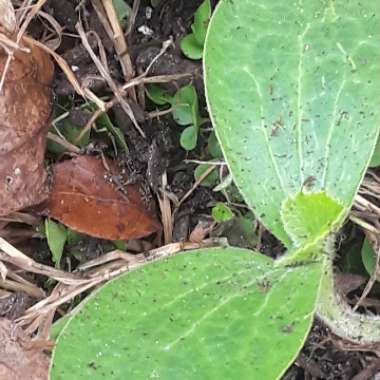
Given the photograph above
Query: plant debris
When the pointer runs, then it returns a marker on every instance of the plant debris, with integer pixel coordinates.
(88, 196)
(21, 358)
(25, 108)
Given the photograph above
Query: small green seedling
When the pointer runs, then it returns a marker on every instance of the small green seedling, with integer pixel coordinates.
(104, 124)
(61, 126)
(369, 257)
(293, 93)
(209, 180)
(123, 11)
(185, 110)
(73, 133)
(56, 235)
(192, 45)
(222, 213)
(213, 147)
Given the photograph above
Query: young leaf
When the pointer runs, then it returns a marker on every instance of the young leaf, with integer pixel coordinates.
(189, 137)
(201, 20)
(71, 133)
(192, 44)
(104, 121)
(291, 111)
(221, 313)
(191, 48)
(213, 146)
(308, 219)
(120, 244)
(352, 260)
(56, 235)
(122, 10)
(158, 95)
(183, 104)
(368, 256)
(74, 236)
(222, 213)
(211, 180)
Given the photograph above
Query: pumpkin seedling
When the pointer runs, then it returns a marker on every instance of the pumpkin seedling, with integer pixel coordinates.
(192, 45)
(222, 213)
(185, 111)
(298, 169)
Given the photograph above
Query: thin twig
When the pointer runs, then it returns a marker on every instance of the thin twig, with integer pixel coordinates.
(35, 315)
(106, 75)
(196, 184)
(70, 147)
(89, 124)
(132, 17)
(166, 211)
(12, 255)
(120, 44)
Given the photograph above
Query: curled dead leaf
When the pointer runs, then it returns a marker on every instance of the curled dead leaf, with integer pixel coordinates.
(85, 198)
(21, 358)
(25, 109)
(7, 17)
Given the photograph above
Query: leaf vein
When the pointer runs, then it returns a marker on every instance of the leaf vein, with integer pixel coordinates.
(301, 48)
(331, 132)
(208, 314)
(264, 131)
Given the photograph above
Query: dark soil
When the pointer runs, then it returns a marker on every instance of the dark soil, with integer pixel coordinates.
(323, 356)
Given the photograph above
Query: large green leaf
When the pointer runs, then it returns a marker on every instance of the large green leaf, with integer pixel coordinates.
(293, 91)
(222, 313)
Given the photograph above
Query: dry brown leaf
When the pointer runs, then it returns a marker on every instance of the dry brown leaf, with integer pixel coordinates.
(25, 108)
(85, 198)
(7, 16)
(20, 357)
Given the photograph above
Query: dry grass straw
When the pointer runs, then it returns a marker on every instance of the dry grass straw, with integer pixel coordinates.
(366, 214)
(13, 263)
(70, 285)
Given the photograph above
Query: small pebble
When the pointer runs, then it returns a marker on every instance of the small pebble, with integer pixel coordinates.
(148, 13)
(145, 30)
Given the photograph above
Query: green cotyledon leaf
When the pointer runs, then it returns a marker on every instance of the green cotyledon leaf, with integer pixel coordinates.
(218, 313)
(293, 92)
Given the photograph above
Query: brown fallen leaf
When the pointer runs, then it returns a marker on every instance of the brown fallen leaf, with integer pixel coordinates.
(20, 357)
(25, 109)
(84, 198)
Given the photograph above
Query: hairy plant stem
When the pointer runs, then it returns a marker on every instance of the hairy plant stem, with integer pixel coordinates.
(362, 329)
